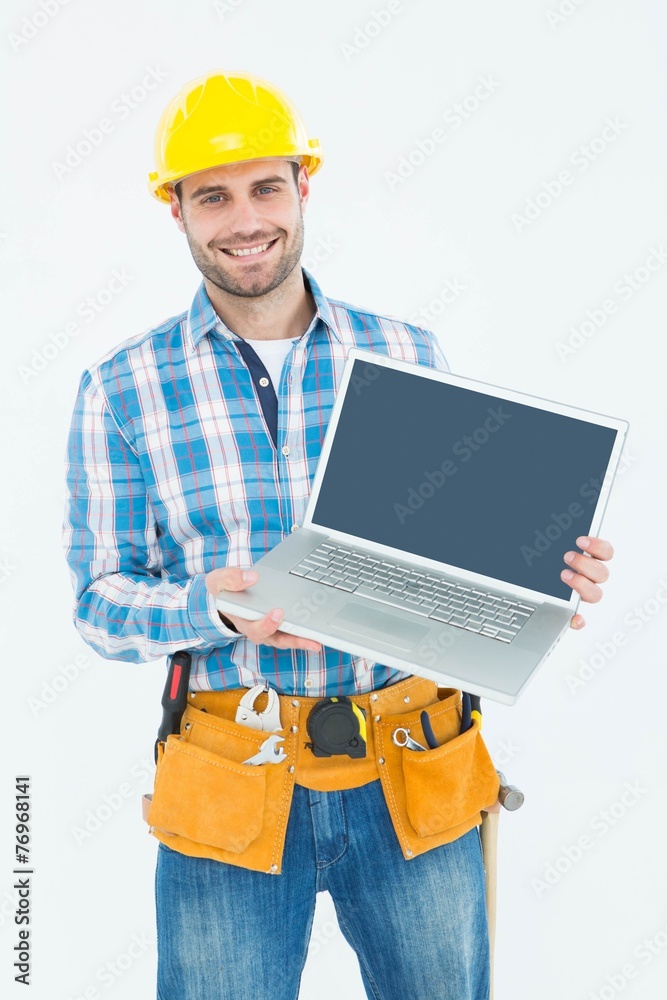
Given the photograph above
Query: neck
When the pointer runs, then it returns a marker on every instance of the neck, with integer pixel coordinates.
(285, 311)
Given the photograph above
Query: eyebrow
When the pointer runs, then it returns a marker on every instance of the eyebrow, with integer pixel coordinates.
(212, 189)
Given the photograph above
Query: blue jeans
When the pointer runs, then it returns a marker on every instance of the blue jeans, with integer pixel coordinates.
(418, 926)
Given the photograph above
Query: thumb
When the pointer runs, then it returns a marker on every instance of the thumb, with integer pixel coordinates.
(230, 578)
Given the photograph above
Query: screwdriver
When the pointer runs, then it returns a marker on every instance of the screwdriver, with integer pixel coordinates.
(174, 696)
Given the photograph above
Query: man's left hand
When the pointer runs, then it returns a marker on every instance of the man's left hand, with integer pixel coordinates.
(586, 571)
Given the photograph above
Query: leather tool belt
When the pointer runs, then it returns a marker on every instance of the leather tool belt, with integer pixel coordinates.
(207, 802)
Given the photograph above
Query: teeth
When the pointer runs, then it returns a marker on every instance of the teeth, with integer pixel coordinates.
(244, 253)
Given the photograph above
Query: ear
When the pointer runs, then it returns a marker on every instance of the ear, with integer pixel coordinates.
(304, 185)
(175, 208)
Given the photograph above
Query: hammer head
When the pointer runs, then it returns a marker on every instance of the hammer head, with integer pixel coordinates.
(509, 796)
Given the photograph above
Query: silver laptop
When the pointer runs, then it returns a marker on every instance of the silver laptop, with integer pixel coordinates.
(438, 518)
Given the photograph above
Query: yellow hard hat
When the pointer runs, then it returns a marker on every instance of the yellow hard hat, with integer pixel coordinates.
(220, 118)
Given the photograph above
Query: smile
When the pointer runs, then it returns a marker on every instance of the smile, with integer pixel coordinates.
(255, 251)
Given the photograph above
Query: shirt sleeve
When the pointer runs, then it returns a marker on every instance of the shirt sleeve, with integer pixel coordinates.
(126, 606)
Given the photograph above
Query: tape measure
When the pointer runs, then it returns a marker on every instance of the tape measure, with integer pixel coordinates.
(337, 726)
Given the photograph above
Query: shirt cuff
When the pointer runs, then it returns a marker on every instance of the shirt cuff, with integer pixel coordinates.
(204, 616)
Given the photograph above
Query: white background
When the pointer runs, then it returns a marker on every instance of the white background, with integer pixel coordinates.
(566, 927)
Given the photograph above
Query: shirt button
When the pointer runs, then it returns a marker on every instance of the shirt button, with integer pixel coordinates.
(263, 381)
(308, 682)
(285, 450)
(294, 527)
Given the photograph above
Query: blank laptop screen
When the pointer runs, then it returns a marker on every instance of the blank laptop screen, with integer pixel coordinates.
(492, 486)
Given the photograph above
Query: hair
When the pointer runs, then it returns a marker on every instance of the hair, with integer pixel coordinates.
(293, 164)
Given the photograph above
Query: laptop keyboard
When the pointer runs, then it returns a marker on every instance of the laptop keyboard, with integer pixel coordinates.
(426, 594)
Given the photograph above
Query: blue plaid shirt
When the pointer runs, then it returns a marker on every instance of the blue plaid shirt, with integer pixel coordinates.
(172, 471)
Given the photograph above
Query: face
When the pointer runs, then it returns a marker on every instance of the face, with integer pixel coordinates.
(243, 206)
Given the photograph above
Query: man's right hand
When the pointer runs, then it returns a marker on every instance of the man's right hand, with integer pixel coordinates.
(262, 631)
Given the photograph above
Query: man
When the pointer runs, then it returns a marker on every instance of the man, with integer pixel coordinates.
(191, 454)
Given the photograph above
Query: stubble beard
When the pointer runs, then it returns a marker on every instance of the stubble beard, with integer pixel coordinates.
(250, 285)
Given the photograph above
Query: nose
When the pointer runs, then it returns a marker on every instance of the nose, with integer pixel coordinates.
(244, 219)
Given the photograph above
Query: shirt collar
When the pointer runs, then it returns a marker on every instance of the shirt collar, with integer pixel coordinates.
(202, 317)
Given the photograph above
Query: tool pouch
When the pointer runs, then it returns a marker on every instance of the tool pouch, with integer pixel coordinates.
(207, 802)
(207, 798)
(447, 785)
(435, 796)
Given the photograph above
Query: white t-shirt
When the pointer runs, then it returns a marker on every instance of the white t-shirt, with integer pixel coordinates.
(273, 354)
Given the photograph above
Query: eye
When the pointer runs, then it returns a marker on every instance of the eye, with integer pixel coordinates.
(266, 189)
(210, 197)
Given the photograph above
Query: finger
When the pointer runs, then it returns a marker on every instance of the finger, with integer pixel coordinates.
(577, 621)
(264, 629)
(590, 568)
(587, 590)
(267, 628)
(230, 578)
(596, 547)
(285, 640)
(282, 640)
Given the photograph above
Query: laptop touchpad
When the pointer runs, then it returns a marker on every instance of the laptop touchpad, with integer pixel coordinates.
(367, 621)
